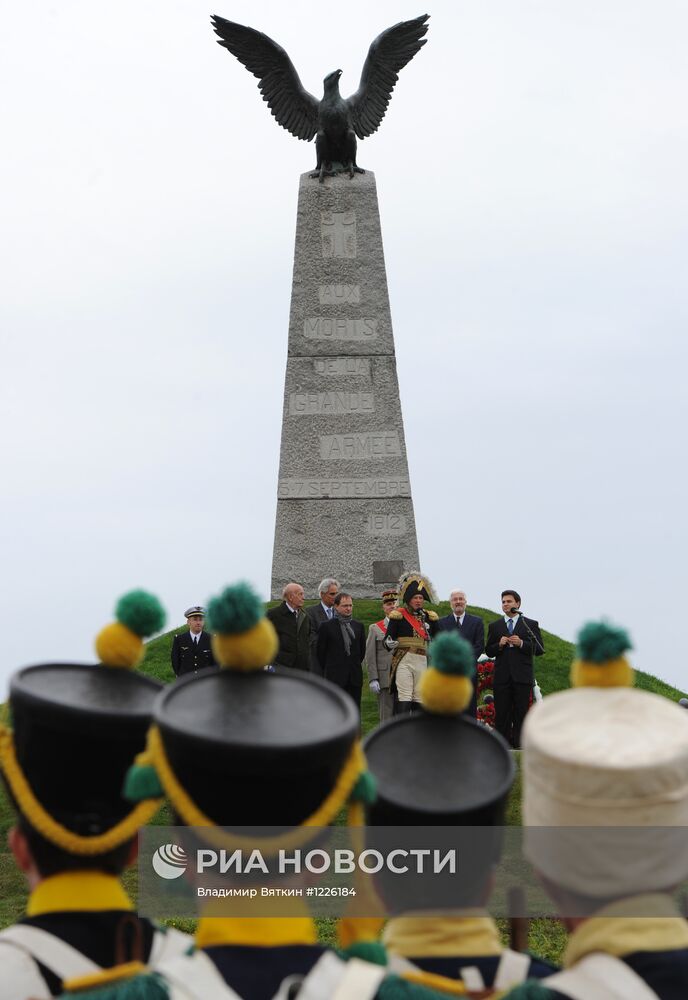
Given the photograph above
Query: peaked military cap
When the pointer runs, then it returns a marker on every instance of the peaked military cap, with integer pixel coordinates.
(195, 610)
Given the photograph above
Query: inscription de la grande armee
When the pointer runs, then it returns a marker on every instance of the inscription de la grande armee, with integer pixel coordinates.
(344, 500)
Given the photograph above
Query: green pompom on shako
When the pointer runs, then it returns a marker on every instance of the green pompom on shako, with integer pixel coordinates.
(450, 654)
(237, 609)
(141, 612)
(599, 642)
(446, 686)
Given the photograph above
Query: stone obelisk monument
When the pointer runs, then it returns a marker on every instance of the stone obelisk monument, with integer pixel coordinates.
(344, 504)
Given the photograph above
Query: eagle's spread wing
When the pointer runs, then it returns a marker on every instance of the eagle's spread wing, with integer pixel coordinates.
(293, 107)
(387, 56)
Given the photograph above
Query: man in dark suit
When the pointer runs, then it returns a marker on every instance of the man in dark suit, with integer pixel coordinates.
(293, 627)
(469, 627)
(341, 648)
(319, 613)
(512, 641)
(191, 651)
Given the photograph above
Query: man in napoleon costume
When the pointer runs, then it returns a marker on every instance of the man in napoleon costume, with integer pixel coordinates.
(76, 729)
(410, 628)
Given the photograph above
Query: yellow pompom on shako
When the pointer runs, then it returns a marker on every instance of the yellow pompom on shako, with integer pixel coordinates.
(600, 660)
(446, 686)
(243, 638)
(139, 615)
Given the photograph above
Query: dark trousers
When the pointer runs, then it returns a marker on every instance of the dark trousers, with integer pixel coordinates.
(354, 690)
(511, 702)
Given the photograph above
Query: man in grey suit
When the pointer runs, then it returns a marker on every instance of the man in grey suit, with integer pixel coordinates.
(469, 627)
(319, 613)
(378, 659)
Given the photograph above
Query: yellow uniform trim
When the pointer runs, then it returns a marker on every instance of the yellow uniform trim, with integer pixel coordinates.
(441, 984)
(48, 827)
(88, 891)
(443, 935)
(611, 931)
(353, 767)
(125, 971)
(271, 932)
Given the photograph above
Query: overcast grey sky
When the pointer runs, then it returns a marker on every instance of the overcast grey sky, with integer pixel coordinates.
(531, 172)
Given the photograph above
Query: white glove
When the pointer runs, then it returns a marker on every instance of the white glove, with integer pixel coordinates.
(374, 687)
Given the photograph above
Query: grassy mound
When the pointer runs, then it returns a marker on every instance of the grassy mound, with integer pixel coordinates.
(552, 670)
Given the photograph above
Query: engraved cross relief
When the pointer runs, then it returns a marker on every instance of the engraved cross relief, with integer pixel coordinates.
(338, 234)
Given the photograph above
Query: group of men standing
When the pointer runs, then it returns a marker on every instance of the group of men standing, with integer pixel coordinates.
(326, 640)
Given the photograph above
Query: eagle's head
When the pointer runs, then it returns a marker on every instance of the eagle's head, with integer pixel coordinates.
(331, 82)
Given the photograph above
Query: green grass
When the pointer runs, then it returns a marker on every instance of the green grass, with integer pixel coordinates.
(546, 937)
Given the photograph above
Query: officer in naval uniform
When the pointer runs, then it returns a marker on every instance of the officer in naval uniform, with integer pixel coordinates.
(440, 768)
(76, 729)
(192, 650)
(410, 628)
(605, 814)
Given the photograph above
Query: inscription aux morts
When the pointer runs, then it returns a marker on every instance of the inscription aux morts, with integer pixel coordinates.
(338, 328)
(303, 404)
(359, 447)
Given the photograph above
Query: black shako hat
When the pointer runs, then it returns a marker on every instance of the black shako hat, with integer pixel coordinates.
(439, 767)
(438, 770)
(256, 749)
(77, 729)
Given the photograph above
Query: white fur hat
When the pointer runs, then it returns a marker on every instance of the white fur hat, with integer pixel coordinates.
(604, 758)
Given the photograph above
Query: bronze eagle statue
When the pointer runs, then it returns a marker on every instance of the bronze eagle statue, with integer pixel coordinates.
(334, 121)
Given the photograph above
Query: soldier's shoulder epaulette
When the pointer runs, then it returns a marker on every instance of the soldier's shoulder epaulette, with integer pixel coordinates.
(396, 615)
(433, 616)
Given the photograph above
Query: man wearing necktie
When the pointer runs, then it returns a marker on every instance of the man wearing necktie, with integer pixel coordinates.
(512, 641)
(321, 613)
(191, 651)
(293, 627)
(471, 628)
